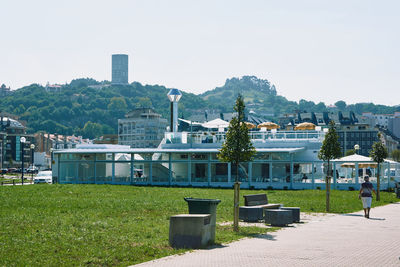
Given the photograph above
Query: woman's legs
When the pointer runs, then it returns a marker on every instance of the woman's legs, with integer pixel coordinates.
(366, 205)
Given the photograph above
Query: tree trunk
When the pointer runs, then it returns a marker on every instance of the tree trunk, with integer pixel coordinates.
(328, 189)
(236, 189)
(378, 184)
(236, 206)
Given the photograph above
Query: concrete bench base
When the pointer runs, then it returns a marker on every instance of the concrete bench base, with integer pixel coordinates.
(250, 214)
(295, 213)
(190, 230)
(277, 217)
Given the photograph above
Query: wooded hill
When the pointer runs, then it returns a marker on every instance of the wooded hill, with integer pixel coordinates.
(90, 108)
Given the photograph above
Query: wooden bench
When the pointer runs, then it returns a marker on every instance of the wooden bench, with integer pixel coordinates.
(259, 200)
(254, 207)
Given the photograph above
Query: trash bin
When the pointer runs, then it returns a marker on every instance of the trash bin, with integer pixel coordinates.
(204, 206)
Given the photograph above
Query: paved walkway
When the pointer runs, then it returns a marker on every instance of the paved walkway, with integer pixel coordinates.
(338, 240)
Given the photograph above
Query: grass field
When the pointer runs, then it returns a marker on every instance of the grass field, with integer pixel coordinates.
(51, 225)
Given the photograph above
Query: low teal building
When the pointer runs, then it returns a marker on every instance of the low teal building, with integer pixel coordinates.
(284, 160)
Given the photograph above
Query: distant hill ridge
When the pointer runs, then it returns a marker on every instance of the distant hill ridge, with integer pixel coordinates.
(90, 108)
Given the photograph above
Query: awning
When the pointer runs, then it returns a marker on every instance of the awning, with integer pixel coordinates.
(217, 123)
(363, 161)
(269, 125)
(249, 125)
(360, 165)
(305, 126)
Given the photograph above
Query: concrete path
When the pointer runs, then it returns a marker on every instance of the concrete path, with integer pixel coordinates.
(337, 240)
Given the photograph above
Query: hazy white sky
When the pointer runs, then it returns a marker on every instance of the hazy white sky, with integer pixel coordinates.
(319, 50)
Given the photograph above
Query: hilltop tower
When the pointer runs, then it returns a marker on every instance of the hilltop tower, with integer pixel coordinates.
(119, 69)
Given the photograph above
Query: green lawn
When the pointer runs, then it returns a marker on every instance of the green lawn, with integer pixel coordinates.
(54, 225)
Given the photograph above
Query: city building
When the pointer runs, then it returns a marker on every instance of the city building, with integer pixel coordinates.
(12, 145)
(4, 90)
(119, 71)
(46, 143)
(391, 142)
(141, 128)
(351, 130)
(53, 88)
(389, 124)
(387, 121)
(394, 124)
(362, 135)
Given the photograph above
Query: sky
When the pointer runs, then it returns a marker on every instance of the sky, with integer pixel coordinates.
(319, 50)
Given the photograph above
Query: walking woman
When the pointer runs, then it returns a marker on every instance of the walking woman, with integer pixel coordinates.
(366, 195)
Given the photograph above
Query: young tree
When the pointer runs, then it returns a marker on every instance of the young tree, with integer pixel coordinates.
(378, 154)
(330, 149)
(237, 148)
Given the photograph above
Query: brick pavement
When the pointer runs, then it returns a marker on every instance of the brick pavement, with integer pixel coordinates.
(337, 240)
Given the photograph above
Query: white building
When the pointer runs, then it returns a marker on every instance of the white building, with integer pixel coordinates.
(284, 160)
(142, 128)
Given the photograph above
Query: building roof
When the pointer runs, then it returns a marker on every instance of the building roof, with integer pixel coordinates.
(126, 149)
(360, 158)
(355, 158)
(139, 112)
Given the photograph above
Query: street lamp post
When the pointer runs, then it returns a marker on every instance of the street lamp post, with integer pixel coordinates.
(32, 161)
(51, 158)
(51, 165)
(174, 95)
(23, 140)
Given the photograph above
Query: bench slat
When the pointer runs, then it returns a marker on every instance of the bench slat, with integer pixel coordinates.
(259, 200)
(254, 200)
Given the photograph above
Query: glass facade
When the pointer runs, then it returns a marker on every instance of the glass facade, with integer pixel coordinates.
(276, 170)
(199, 172)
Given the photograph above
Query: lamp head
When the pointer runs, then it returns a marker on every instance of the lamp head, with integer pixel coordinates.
(174, 95)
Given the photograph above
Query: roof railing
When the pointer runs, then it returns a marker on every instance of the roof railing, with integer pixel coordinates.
(259, 136)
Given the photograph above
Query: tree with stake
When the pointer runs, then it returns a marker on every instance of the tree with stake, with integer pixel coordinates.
(237, 148)
(378, 154)
(330, 149)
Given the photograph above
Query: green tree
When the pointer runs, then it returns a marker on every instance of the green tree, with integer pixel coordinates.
(237, 148)
(341, 105)
(92, 130)
(396, 155)
(144, 102)
(330, 149)
(350, 152)
(117, 106)
(378, 154)
(320, 107)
